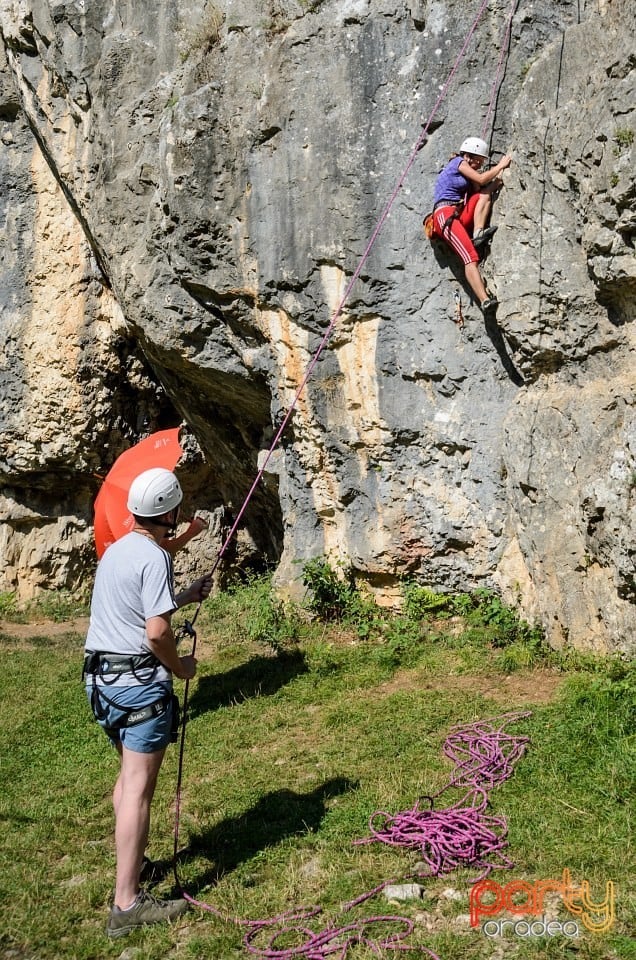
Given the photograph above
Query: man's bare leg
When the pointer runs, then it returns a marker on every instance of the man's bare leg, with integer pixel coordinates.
(132, 798)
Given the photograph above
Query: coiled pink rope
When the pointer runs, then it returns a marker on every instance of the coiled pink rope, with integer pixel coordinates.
(461, 835)
(485, 755)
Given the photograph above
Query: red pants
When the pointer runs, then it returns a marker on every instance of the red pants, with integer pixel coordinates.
(456, 233)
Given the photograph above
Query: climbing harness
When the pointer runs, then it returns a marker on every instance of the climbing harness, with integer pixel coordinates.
(457, 212)
(105, 665)
(429, 222)
(109, 667)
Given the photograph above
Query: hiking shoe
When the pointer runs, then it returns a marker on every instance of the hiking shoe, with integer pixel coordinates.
(145, 910)
(481, 237)
(488, 305)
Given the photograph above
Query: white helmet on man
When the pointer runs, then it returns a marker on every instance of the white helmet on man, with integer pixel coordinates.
(476, 146)
(154, 492)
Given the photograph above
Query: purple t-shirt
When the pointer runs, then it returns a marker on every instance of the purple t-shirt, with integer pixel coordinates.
(451, 185)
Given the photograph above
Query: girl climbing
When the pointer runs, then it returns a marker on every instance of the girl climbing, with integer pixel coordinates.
(463, 201)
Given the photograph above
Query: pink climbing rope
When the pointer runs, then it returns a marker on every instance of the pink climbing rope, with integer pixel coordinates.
(332, 941)
(335, 941)
(485, 755)
(447, 839)
(461, 835)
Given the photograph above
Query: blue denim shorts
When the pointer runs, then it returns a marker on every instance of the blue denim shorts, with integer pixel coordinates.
(147, 737)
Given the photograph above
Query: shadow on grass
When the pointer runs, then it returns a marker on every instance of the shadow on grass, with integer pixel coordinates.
(277, 815)
(259, 677)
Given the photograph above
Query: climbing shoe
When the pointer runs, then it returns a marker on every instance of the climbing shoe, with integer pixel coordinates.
(145, 910)
(489, 305)
(480, 237)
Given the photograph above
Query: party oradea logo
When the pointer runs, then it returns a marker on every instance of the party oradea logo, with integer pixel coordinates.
(524, 899)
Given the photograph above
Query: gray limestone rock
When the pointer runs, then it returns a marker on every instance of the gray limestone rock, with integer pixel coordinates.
(188, 191)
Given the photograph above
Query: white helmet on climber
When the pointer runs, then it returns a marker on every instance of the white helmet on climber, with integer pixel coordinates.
(154, 492)
(476, 146)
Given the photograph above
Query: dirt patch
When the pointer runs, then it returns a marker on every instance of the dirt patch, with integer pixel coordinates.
(524, 687)
(43, 628)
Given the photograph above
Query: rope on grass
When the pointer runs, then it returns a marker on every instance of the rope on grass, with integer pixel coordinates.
(307, 944)
(484, 754)
(335, 941)
(462, 835)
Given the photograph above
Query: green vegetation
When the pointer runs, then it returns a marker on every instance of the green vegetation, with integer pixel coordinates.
(56, 605)
(8, 606)
(303, 722)
(482, 616)
(623, 138)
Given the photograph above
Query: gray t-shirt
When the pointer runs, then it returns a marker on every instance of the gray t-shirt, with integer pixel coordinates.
(134, 581)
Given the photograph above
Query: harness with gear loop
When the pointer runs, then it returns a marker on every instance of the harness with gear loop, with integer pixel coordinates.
(429, 223)
(115, 665)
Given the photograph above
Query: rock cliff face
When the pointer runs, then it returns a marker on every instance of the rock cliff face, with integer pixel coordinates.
(187, 190)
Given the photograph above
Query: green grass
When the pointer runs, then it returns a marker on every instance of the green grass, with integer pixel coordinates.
(298, 732)
(56, 605)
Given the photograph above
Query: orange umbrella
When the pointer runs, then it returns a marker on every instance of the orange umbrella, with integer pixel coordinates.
(112, 517)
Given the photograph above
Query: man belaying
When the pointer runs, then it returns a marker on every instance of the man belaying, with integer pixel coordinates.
(463, 201)
(131, 658)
